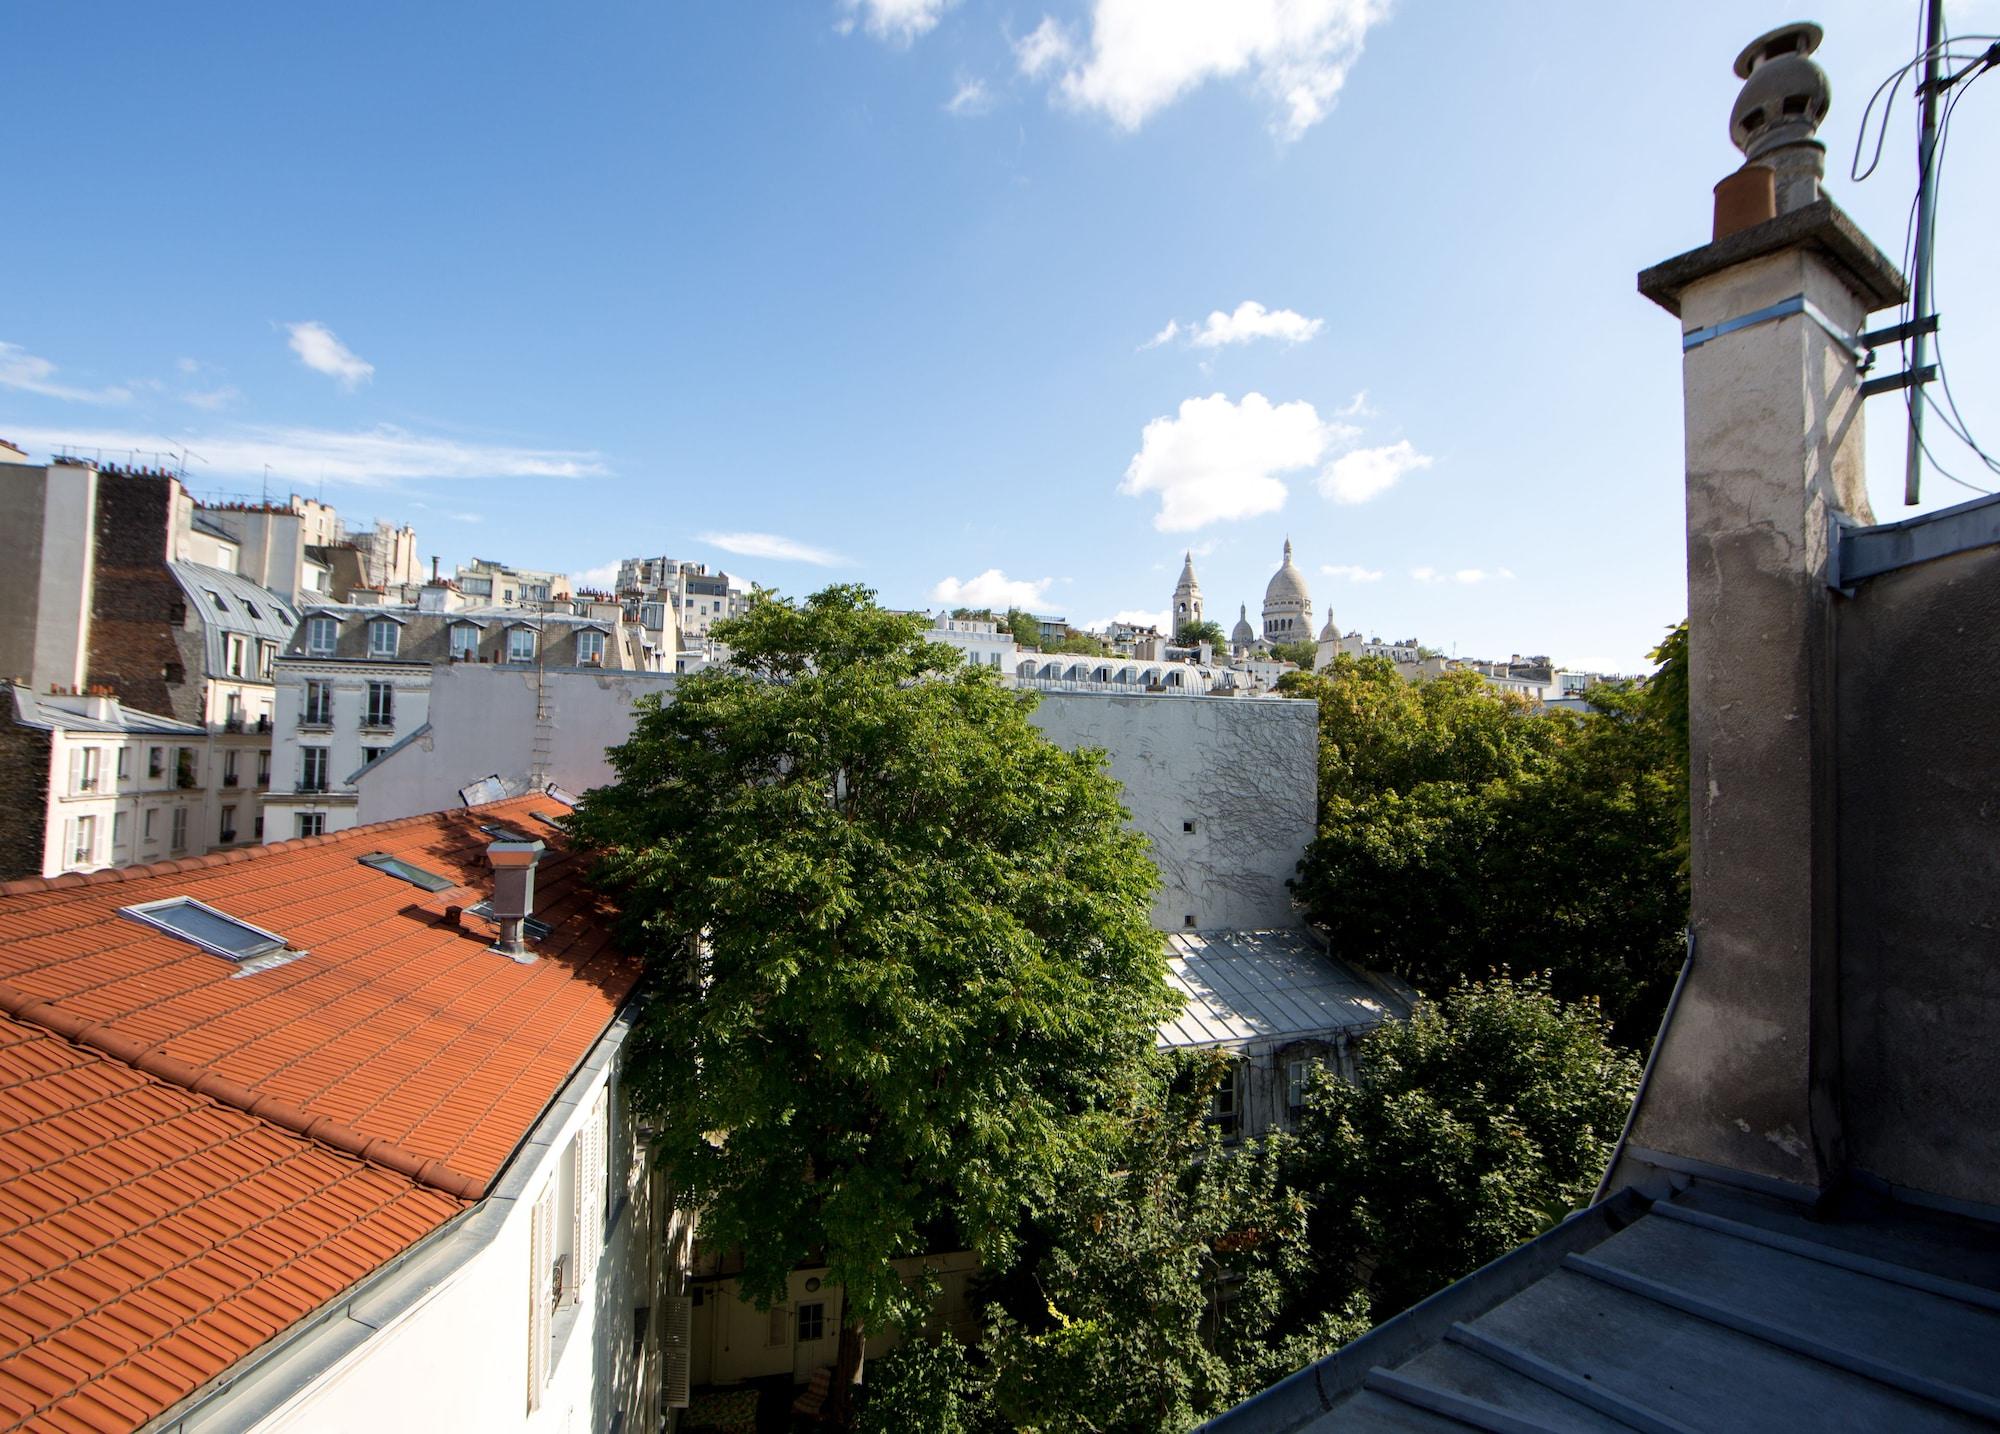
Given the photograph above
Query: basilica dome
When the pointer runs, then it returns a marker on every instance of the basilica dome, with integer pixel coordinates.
(1287, 604)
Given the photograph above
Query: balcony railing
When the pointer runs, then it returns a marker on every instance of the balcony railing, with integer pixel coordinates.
(233, 722)
(264, 723)
(229, 836)
(228, 779)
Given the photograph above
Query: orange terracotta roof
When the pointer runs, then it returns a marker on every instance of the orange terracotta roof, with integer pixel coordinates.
(193, 1156)
(151, 1237)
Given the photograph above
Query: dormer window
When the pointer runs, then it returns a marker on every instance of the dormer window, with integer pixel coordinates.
(590, 648)
(384, 638)
(520, 644)
(321, 635)
(464, 642)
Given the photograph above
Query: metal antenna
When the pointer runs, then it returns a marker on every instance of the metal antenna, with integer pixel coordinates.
(1913, 460)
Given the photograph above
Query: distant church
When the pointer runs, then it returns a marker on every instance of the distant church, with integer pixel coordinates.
(1287, 608)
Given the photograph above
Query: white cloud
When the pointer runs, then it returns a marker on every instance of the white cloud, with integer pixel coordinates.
(600, 577)
(319, 350)
(896, 21)
(1253, 321)
(971, 98)
(1047, 45)
(28, 373)
(1468, 577)
(993, 589)
(1145, 54)
(213, 398)
(1364, 473)
(1355, 407)
(371, 458)
(1220, 460)
(1164, 336)
(773, 546)
(1353, 572)
(1137, 616)
(188, 366)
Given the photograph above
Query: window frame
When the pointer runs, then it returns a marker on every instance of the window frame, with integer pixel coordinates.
(143, 913)
(317, 624)
(385, 637)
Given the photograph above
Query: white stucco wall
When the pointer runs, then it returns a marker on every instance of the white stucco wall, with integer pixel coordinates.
(1244, 771)
(482, 723)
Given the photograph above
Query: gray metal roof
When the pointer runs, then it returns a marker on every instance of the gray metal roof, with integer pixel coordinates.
(32, 710)
(1257, 990)
(1715, 1310)
(249, 610)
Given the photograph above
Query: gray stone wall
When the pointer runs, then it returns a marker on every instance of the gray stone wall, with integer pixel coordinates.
(1244, 772)
(1919, 802)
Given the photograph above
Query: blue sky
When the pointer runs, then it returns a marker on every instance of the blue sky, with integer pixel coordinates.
(1004, 301)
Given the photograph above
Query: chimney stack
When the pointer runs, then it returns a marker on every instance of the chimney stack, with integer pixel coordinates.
(513, 900)
(1784, 98)
(1746, 1073)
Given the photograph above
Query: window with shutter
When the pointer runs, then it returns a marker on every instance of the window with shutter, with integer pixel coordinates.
(541, 1293)
(675, 1344)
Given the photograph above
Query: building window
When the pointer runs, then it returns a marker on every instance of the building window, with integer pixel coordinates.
(370, 754)
(312, 769)
(236, 650)
(321, 635)
(384, 637)
(264, 768)
(156, 761)
(124, 763)
(117, 834)
(178, 838)
(227, 831)
(812, 1322)
(520, 644)
(147, 829)
(85, 768)
(185, 774)
(590, 648)
(84, 849)
(464, 642)
(267, 653)
(779, 1331)
(1225, 1107)
(307, 824)
(319, 702)
(1298, 1074)
(229, 758)
(381, 705)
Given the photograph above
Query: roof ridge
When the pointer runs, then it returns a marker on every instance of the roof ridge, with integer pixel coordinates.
(296, 1120)
(169, 866)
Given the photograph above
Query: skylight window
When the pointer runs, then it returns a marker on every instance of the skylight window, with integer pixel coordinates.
(500, 833)
(407, 871)
(548, 818)
(533, 929)
(215, 932)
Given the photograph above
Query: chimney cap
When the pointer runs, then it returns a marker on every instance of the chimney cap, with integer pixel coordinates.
(515, 853)
(1801, 37)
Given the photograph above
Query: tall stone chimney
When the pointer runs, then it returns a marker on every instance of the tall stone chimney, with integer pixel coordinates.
(513, 900)
(1745, 1077)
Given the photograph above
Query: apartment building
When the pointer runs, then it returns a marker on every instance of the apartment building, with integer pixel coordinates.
(354, 681)
(697, 598)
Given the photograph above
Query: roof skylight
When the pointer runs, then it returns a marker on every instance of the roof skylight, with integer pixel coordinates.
(406, 871)
(215, 932)
(500, 833)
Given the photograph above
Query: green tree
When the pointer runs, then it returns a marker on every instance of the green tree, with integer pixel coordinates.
(1159, 1278)
(899, 945)
(1081, 644)
(927, 1386)
(1305, 654)
(1200, 631)
(1460, 831)
(1474, 1126)
(1026, 627)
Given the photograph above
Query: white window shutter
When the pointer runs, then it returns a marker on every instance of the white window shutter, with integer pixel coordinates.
(541, 1259)
(76, 769)
(676, 1340)
(590, 1189)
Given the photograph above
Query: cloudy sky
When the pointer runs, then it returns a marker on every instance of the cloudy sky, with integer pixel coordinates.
(970, 302)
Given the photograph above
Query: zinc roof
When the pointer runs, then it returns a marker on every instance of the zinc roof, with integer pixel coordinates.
(194, 1155)
(1257, 990)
